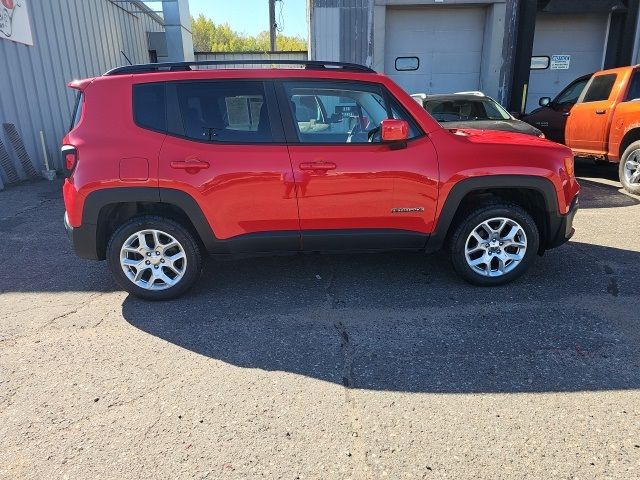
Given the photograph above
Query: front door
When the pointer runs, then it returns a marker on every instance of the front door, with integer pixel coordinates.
(588, 121)
(226, 148)
(354, 191)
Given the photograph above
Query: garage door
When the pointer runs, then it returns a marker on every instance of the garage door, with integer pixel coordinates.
(580, 35)
(447, 42)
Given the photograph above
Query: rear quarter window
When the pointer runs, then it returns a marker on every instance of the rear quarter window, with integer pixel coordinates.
(149, 106)
(77, 111)
(600, 88)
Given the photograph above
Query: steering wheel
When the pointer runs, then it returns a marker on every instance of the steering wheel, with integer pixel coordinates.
(373, 136)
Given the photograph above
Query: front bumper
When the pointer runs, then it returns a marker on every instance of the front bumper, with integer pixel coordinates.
(83, 239)
(561, 227)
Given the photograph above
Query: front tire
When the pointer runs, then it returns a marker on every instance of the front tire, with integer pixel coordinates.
(154, 258)
(494, 244)
(629, 168)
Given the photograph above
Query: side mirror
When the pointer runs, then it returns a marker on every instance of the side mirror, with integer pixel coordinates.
(544, 101)
(392, 130)
(515, 114)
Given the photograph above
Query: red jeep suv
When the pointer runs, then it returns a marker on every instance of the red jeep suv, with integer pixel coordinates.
(168, 162)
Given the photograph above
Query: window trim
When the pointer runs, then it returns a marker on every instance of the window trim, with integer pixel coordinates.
(291, 132)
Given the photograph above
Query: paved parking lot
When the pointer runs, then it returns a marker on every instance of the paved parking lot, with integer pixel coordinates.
(362, 366)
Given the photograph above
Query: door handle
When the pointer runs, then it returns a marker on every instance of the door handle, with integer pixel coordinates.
(189, 164)
(600, 111)
(317, 166)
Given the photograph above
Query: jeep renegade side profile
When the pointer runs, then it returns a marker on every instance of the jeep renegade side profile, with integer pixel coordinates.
(166, 163)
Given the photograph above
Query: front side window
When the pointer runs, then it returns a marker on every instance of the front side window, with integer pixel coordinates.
(223, 111)
(456, 110)
(340, 113)
(600, 88)
(570, 95)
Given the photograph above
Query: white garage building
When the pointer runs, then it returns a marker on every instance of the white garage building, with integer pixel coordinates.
(443, 46)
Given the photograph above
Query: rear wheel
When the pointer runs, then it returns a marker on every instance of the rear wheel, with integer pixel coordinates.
(154, 258)
(629, 168)
(494, 244)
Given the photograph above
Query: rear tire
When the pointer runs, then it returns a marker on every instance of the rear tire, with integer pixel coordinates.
(494, 244)
(629, 168)
(154, 258)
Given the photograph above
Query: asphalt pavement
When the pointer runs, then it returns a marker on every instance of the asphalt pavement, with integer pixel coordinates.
(323, 366)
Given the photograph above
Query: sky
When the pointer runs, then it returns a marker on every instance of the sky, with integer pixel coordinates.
(251, 16)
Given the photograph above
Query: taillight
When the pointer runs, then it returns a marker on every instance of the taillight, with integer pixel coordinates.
(69, 159)
(569, 165)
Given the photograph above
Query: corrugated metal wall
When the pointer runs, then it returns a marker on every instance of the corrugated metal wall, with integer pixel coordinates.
(340, 30)
(72, 39)
(240, 56)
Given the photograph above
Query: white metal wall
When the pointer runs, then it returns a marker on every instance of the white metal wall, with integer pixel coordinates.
(583, 36)
(72, 39)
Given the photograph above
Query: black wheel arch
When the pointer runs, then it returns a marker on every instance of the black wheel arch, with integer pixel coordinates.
(105, 209)
(535, 194)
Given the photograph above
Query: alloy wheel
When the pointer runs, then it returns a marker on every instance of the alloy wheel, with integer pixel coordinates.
(632, 168)
(495, 247)
(153, 259)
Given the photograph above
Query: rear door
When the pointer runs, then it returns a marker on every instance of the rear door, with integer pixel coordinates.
(588, 121)
(225, 147)
(353, 191)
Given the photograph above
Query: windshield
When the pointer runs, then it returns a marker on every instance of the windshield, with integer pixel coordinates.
(466, 109)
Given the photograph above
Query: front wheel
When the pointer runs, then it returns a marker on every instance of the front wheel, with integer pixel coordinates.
(154, 258)
(629, 168)
(494, 244)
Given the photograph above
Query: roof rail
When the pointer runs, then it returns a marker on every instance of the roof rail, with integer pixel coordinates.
(185, 66)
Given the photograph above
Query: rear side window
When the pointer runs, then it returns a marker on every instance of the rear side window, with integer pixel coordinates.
(634, 87)
(149, 106)
(600, 88)
(223, 111)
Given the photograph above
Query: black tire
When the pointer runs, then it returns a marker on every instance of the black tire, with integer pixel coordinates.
(192, 267)
(633, 149)
(470, 220)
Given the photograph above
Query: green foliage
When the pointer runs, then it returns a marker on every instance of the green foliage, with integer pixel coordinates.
(213, 37)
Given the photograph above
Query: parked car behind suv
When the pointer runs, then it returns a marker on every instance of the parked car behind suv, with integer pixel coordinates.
(167, 164)
(605, 122)
(552, 115)
(472, 110)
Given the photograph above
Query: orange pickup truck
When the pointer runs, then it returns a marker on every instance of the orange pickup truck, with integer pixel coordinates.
(605, 123)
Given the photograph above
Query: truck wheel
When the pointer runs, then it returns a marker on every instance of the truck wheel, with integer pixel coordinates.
(154, 258)
(494, 244)
(629, 169)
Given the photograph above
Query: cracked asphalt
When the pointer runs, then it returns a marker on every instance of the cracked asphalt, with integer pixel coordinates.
(345, 367)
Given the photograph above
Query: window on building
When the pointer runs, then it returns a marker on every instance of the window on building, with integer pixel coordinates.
(149, 106)
(224, 111)
(340, 112)
(600, 88)
(634, 87)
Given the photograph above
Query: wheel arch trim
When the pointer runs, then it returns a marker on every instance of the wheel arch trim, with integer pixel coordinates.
(464, 187)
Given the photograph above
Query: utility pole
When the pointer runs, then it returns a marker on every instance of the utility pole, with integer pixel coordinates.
(272, 25)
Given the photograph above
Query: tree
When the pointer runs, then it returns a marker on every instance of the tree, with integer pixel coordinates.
(212, 37)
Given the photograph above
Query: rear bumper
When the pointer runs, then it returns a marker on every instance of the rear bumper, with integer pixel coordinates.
(83, 239)
(561, 227)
